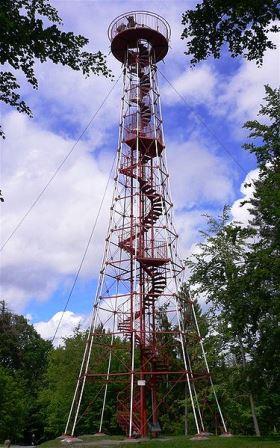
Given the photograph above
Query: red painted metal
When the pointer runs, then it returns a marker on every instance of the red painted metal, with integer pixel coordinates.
(141, 271)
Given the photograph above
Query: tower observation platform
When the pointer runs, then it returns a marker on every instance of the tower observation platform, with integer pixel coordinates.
(127, 29)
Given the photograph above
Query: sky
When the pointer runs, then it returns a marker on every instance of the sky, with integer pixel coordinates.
(204, 138)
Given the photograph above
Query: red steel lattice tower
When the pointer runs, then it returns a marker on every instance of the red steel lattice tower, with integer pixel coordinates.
(141, 271)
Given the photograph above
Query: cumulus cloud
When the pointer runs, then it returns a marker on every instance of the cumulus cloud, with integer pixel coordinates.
(241, 213)
(196, 85)
(48, 246)
(242, 94)
(197, 175)
(188, 225)
(67, 326)
(237, 95)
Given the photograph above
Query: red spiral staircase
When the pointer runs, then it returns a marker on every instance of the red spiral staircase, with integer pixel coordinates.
(123, 411)
(151, 259)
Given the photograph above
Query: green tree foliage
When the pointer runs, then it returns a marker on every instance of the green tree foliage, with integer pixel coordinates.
(218, 273)
(60, 381)
(176, 412)
(13, 412)
(23, 357)
(170, 404)
(265, 210)
(29, 32)
(22, 350)
(263, 263)
(237, 269)
(244, 25)
(214, 350)
(220, 264)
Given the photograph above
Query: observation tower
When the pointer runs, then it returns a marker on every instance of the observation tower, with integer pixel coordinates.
(144, 341)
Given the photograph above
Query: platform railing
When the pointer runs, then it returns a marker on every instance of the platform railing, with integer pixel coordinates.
(139, 19)
(143, 131)
(154, 249)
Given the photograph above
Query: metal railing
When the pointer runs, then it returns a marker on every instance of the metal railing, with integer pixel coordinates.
(144, 131)
(129, 163)
(153, 249)
(150, 249)
(139, 19)
(135, 92)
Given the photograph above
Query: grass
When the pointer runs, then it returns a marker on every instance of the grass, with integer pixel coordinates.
(175, 442)
(215, 442)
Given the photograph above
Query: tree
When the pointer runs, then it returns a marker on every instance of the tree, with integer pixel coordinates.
(238, 269)
(23, 356)
(60, 381)
(218, 272)
(13, 412)
(265, 202)
(263, 264)
(244, 25)
(29, 32)
(21, 348)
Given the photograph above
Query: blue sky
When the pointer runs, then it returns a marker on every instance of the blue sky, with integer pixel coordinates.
(40, 261)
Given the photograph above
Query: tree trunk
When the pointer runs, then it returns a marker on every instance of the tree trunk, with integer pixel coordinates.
(255, 420)
(252, 403)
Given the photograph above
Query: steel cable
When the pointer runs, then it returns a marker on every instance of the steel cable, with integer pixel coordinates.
(35, 202)
(85, 252)
(204, 124)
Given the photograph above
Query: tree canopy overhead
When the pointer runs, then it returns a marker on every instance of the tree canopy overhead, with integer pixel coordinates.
(244, 25)
(29, 32)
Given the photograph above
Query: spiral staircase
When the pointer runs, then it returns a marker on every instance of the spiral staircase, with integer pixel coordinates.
(123, 411)
(152, 261)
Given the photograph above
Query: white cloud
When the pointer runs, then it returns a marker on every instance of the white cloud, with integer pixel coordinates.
(197, 175)
(241, 213)
(242, 95)
(48, 246)
(73, 100)
(29, 317)
(188, 225)
(195, 85)
(236, 96)
(67, 326)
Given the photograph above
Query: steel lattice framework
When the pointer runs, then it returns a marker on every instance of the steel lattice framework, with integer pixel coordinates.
(141, 271)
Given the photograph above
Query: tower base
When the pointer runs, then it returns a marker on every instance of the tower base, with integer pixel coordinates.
(199, 436)
(70, 439)
(226, 434)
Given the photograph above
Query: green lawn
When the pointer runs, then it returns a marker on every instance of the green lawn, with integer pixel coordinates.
(215, 442)
(176, 442)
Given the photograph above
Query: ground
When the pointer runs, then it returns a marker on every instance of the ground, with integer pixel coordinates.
(171, 442)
